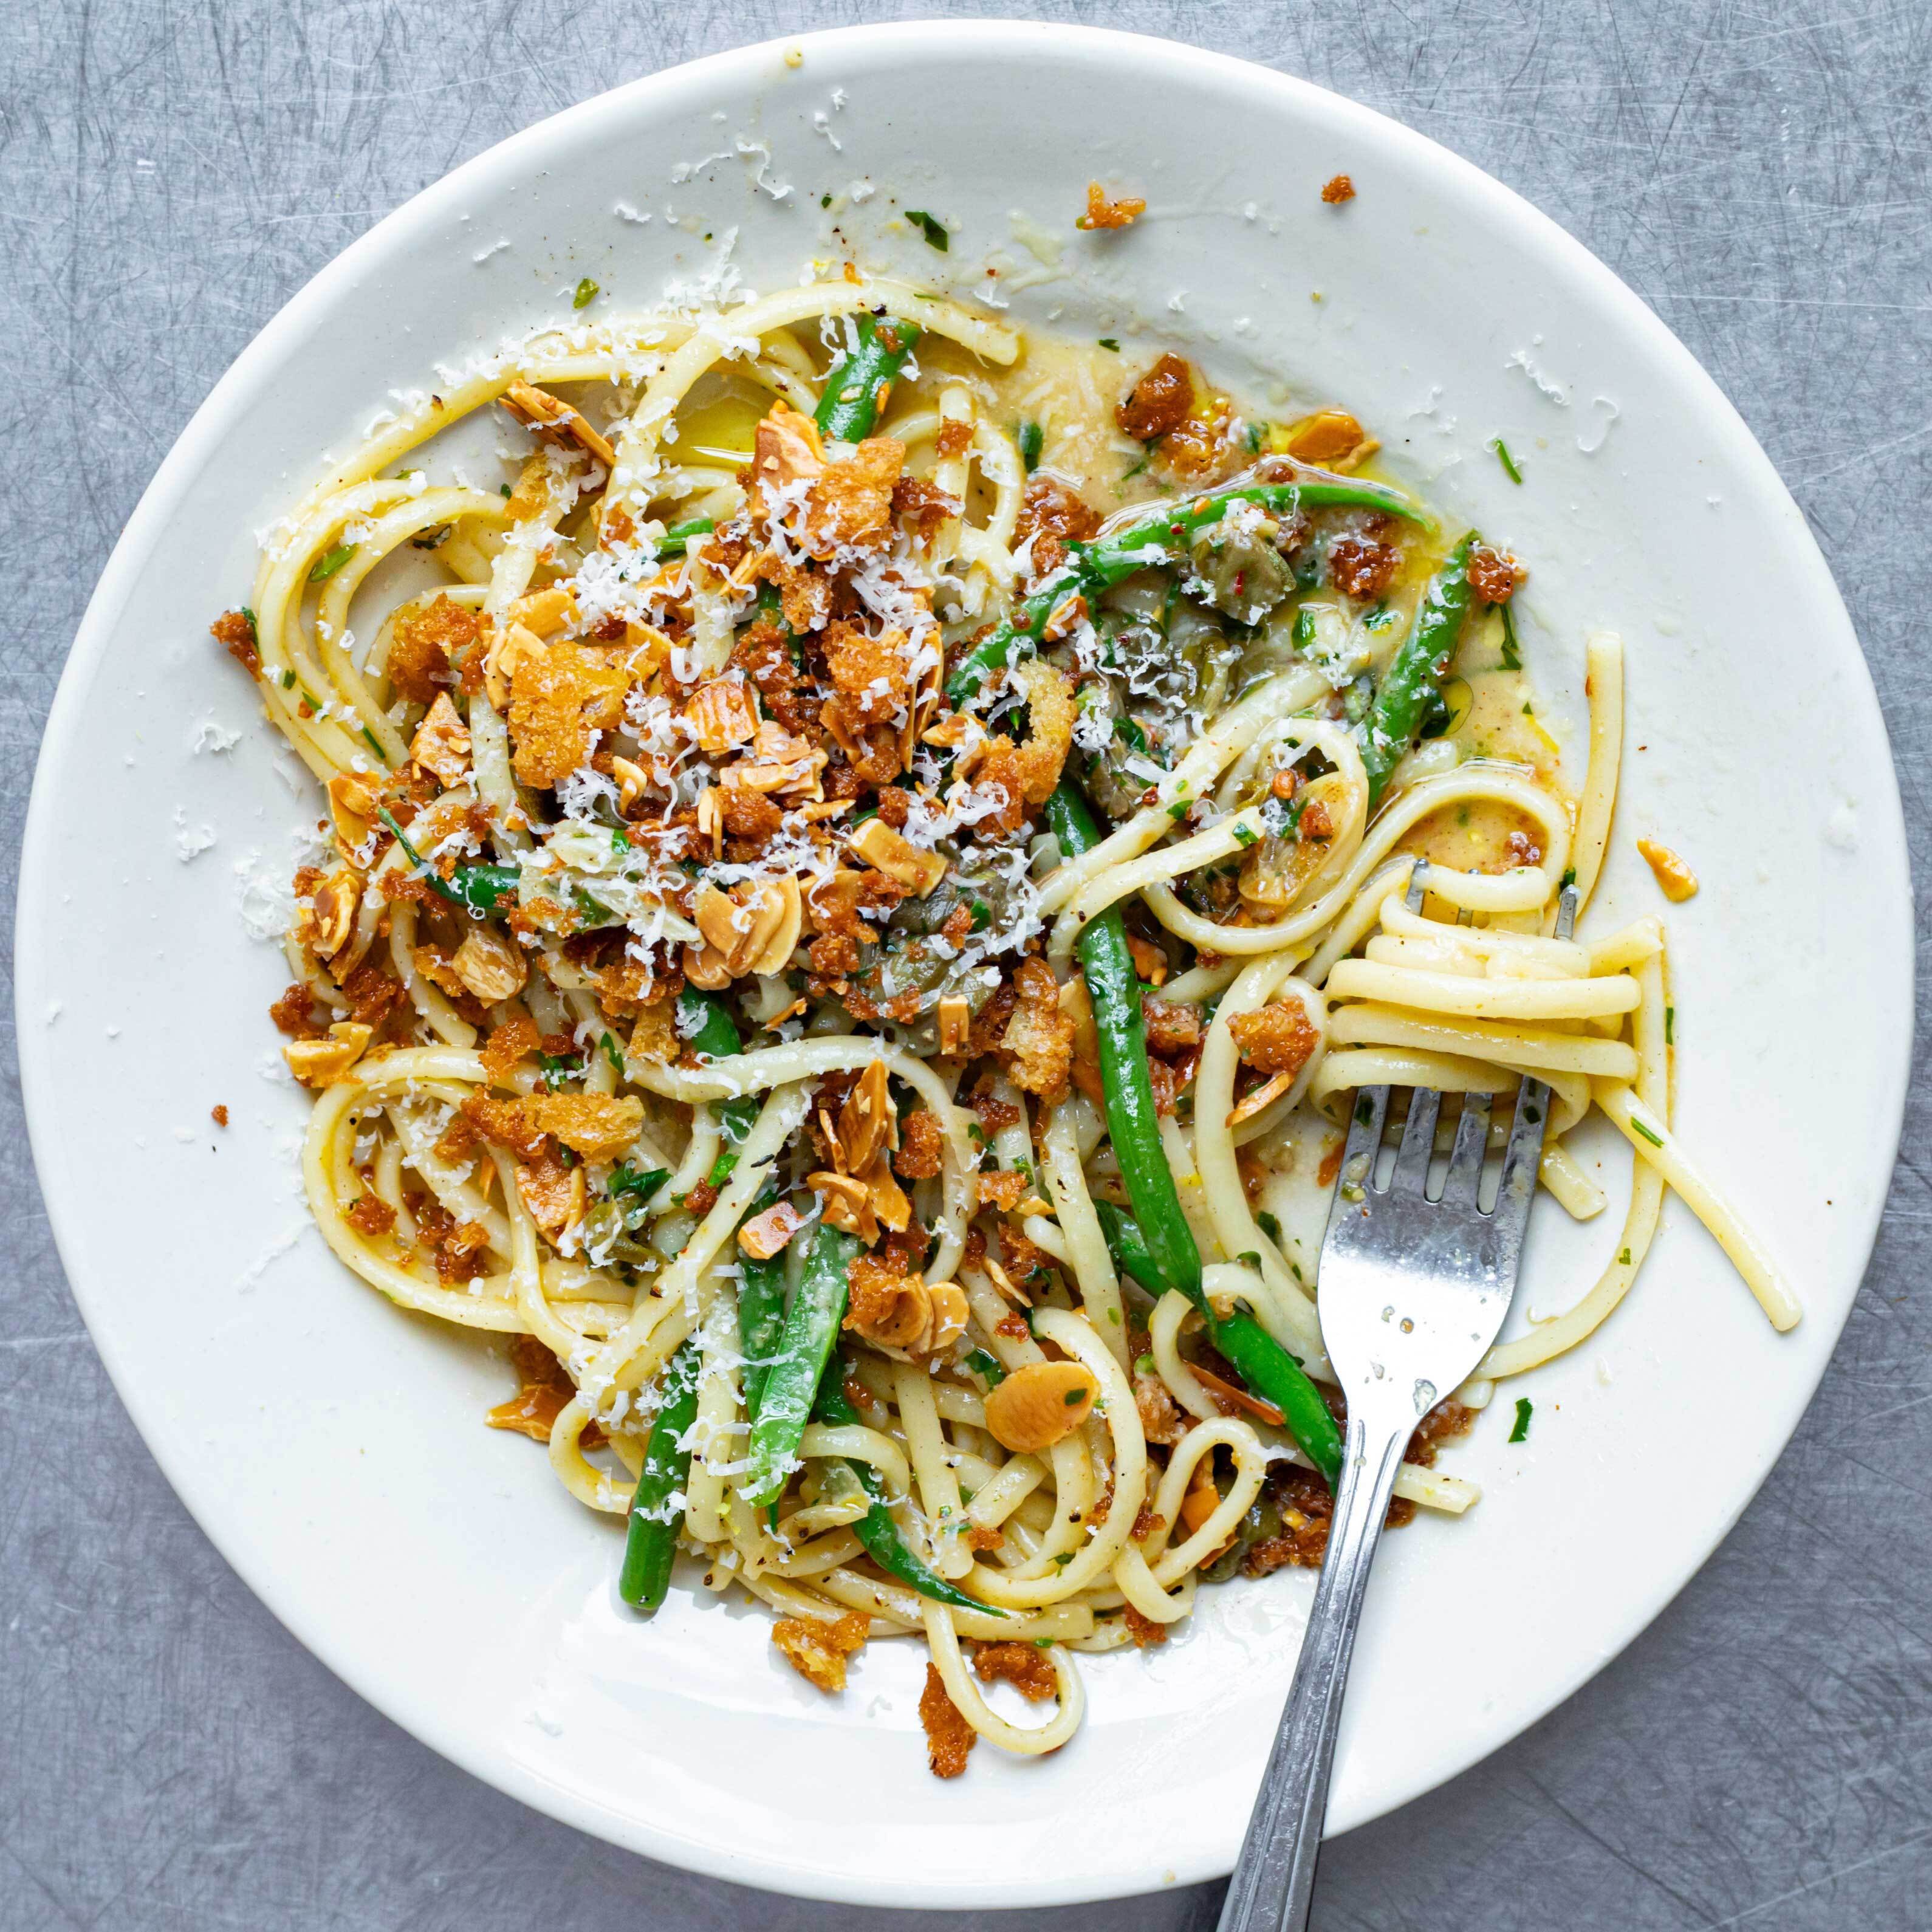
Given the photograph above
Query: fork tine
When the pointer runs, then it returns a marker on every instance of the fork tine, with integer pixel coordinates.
(1418, 1142)
(1519, 1161)
(1365, 1135)
(1465, 1159)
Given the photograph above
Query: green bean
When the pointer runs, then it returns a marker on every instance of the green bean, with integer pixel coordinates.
(1160, 535)
(481, 888)
(1417, 668)
(857, 385)
(657, 1508)
(1262, 1363)
(876, 1530)
(674, 539)
(761, 1299)
(810, 1328)
(713, 1035)
(1132, 1124)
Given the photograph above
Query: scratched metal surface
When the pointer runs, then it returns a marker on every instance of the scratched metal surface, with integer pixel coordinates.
(171, 171)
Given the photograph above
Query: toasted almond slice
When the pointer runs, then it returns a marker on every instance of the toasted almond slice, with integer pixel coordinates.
(1039, 1405)
(956, 1024)
(1064, 618)
(491, 966)
(769, 1234)
(1254, 1404)
(547, 414)
(318, 1062)
(332, 919)
(442, 743)
(542, 612)
(721, 716)
(879, 846)
(1678, 881)
(779, 930)
(1251, 1104)
(632, 780)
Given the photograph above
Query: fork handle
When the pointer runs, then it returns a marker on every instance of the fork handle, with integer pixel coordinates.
(1274, 1878)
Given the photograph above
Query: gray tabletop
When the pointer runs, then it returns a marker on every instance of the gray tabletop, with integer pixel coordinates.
(172, 172)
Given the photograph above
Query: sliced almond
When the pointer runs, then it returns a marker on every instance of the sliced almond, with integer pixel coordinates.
(492, 967)
(510, 647)
(1066, 617)
(721, 716)
(442, 743)
(1263, 1095)
(770, 1233)
(847, 1203)
(318, 1062)
(1676, 879)
(955, 1024)
(632, 780)
(327, 926)
(869, 1123)
(543, 612)
(785, 917)
(554, 419)
(1039, 1405)
(888, 852)
(1254, 1404)
(353, 803)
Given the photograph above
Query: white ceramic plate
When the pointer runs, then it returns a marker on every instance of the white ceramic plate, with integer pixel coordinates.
(333, 1447)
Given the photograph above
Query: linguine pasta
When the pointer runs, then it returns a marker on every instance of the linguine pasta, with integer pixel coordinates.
(862, 880)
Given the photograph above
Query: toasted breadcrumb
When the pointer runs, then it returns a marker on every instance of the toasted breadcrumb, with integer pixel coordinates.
(819, 1651)
(1338, 188)
(1677, 880)
(1024, 1666)
(1104, 210)
(948, 1737)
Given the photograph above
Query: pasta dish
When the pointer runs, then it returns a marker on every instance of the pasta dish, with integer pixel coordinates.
(866, 863)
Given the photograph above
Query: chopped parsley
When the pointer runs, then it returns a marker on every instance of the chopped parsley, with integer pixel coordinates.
(825, 201)
(328, 564)
(985, 1365)
(1569, 877)
(1670, 1026)
(1032, 440)
(1512, 652)
(1638, 1127)
(1109, 342)
(1269, 1226)
(1624, 1258)
(611, 1054)
(434, 539)
(587, 292)
(1507, 461)
(720, 1169)
(640, 1184)
(1524, 1409)
(935, 232)
(1075, 1397)
(1244, 837)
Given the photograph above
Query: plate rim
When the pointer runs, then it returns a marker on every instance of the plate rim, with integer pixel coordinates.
(200, 440)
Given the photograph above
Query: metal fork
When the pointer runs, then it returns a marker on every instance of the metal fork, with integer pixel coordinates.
(1411, 1293)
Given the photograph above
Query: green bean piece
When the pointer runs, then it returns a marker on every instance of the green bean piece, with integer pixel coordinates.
(761, 1310)
(675, 539)
(876, 1529)
(1418, 667)
(1132, 1124)
(1262, 1363)
(804, 1344)
(481, 888)
(1160, 535)
(857, 385)
(713, 1035)
(657, 1508)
